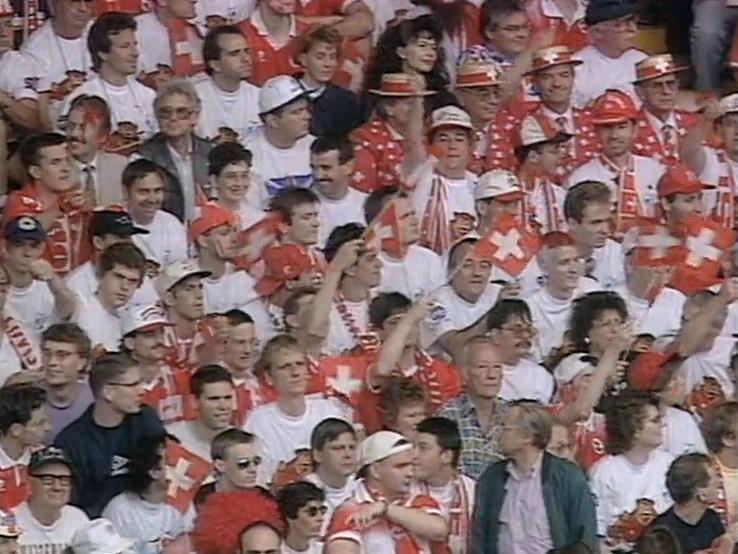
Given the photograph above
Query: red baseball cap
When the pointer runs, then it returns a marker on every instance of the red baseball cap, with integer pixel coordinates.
(210, 216)
(614, 106)
(282, 263)
(678, 179)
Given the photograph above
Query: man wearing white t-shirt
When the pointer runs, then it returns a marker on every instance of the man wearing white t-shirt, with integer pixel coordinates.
(420, 272)
(121, 271)
(332, 164)
(609, 62)
(636, 469)
(383, 500)
(108, 227)
(229, 101)
(47, 519)
(229, 166)
(563, 270)
(37, 297)
(512, 332)
(143, 189)
(632, 179)
(213, 391)
(464, 302)
(114, 51)
(281, 147)
(286, 424)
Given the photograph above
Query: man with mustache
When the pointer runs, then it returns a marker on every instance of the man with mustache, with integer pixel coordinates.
(632, 179)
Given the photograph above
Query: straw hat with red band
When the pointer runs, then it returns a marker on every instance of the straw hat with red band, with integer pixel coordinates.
(399, 85)
(648, 372)
(211, 216)
(614, 106)
(657, 66)
(537, 129)
(552, 56)
(477, 74)
(678, 179)
(282, 263)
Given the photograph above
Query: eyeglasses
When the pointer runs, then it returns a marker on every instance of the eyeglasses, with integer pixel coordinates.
(313, 511)
(127, 385)
(245, 463)
(180, 113)
(49, 479)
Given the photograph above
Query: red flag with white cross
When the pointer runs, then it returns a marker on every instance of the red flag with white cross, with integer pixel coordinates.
(345, 376)
(185, 473)
(652, 244)
(252, 241)
(509, 246)
(385, 232)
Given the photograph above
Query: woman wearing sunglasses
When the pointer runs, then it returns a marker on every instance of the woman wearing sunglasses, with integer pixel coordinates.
(303, 507)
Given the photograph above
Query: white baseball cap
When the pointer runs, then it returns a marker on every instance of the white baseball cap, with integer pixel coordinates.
(572, 367)
(381, 445)
(728, 104)
(178, 271)
(143, 318)
(279, 91)
(499, 184)
(99, 537)
(450, 116)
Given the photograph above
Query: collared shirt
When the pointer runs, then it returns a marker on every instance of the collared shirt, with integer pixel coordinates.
(92, 169)
(554, 117)
(658, 125)
(479, 447)
(270, 59)
(524, 527)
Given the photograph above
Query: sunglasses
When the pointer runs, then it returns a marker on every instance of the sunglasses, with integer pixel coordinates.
(313, 511)
(49, 479)
(245, 463)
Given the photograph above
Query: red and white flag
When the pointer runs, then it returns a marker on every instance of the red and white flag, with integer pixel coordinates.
(252, 241)
(385, 232)
(509, 245)
(653, 245)
(185, 473)
(435, 230)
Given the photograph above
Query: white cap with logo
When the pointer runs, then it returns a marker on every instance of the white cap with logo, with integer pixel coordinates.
(381, 445)
(279, 91)
(143, 318)
(499, 184)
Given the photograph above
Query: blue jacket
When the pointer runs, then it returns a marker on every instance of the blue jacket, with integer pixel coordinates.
(569, 504)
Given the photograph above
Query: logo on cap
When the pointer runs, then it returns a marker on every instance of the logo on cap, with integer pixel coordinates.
(26, 223)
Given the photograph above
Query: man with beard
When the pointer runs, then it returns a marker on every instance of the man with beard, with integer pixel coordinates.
(552, 74)
(381, 516)
(512, 333)
(660, 125)
(166, 388)
(87, 129)
(632, 179)
(121, 271)
(212, 389)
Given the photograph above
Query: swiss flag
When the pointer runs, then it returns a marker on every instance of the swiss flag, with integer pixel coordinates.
(385, 233)
(345, 376)
(253, 241)
(654, 245)
(185, 473)
(509, 245)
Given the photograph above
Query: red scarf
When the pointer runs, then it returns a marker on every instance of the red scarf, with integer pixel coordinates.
(181, 46)
(365, 339)
(725, 208)
(459, 512)
(628, 201)
(435, 232)
(21, 344)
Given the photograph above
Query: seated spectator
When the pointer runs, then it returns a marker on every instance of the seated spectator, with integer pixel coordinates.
(694, 486)
(23, 423)
(47, 519)
(303, 507)
(516, 515)
(99, 534)
(299, 209)
(633, 425)
(402, 404)
(37, 295)
(478, 411)
(121, 270)
(229, 100)
(387, 466)
(335, 110)
(65, 355)
(212, 390)
(506, 28)
(281, 147)
(141, 512)
(181, 154)
(512, 332)
(99, 443)
(237, 457)
(333, 446)
(718, 429)
(438, 446)
(114, 51)
(87, 128)
(143, 190)
(231, 178)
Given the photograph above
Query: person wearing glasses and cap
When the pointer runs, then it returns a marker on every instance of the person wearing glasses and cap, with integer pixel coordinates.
(382, 515)
(47, 519)
(609, 62)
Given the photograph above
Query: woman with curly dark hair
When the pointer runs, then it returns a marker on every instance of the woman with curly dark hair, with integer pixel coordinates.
(630, 484)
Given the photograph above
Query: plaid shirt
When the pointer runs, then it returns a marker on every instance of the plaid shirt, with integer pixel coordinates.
(479, 447)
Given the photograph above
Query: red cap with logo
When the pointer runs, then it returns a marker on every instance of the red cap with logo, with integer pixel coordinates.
(614, 106)
(210, 216)
(678, 179)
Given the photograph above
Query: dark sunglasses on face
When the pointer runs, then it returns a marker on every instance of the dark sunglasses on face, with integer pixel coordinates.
(48, 479)
(313, 511)
(245, 463)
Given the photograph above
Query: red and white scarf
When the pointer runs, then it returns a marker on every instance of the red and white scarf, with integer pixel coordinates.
(435, 230)
(725, 207)
(22, 345)
(628, 200)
